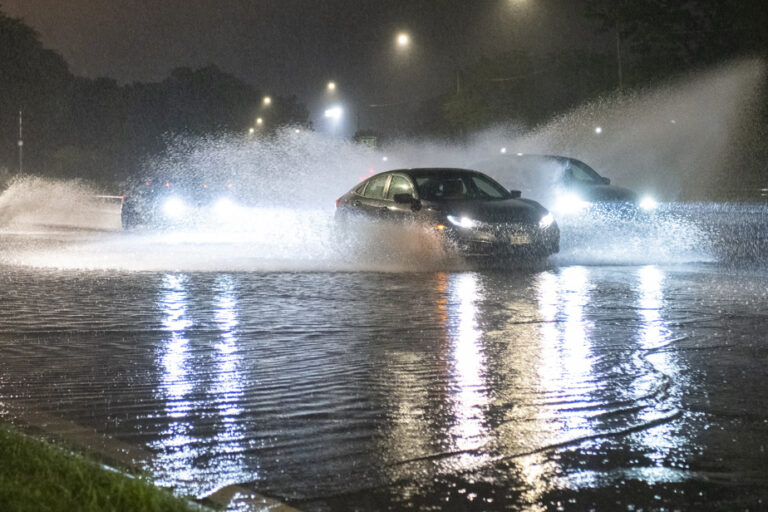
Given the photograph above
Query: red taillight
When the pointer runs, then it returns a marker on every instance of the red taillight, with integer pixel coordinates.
(167, 184)
(337, 202)
(147, 183)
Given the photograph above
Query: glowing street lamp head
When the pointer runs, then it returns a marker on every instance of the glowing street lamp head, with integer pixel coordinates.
(267, 101)
(331, 86)
(259, 121)
(334, 113)
(403, 39)
(251, 130)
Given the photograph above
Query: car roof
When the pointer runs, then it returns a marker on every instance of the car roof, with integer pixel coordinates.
(431, 171)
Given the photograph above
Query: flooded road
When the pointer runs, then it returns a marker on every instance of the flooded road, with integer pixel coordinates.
(575, 386)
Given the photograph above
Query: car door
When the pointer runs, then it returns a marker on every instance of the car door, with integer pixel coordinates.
(399, 212)
(373, 202)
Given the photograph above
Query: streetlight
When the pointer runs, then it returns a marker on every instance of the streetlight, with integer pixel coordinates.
(403, 40)
(331, 86)
(267, 101)
(259, 121)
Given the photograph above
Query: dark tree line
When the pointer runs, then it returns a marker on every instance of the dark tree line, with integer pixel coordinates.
(99, 130)
(645, 41)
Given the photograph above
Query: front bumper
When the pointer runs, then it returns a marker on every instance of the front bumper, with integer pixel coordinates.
(504, 241)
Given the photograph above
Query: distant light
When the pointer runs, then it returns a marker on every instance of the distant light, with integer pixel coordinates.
(673, 121)
(384, 159)
(251, 130)
(403, 39)
(259, 121)
(371, 171)
(648, 203)
(167, 184)
(147, 183)
(519, 154)
(267, 100)
(334, 113)
(331, 86)
(297, 130)
(440, 227)
(599, 130)
(503, 150)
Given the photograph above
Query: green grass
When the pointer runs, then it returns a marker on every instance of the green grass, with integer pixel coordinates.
(38, 476)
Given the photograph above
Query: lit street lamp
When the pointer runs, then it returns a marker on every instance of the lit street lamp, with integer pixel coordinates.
(331, 86)
(267, 101)
(403, 40)
(259, 121)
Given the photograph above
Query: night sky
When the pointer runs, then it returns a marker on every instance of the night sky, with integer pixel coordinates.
(296, 46)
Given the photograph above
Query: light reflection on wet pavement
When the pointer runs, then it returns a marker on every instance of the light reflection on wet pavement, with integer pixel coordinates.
(574, 387)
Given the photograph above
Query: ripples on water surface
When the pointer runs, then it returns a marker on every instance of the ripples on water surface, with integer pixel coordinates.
(579, 385)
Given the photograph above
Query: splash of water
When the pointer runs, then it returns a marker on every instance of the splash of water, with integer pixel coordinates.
(680, 137)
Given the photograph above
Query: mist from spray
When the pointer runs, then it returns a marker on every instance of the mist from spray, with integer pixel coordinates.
(678, 138)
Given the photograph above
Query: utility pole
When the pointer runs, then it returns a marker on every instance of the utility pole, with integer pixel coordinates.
(618, 55)
(21, 143)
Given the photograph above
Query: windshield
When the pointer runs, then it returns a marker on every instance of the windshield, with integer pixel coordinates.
(459, 187)
(581, 172)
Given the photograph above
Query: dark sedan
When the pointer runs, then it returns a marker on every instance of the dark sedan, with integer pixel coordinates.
(564, 184)
(468, 210)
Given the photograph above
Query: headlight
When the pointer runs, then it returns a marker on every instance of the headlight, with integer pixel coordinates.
(648, 203)
(174, 207)
(546, 221)
(224, 208)
(462, 222)
(570, 203)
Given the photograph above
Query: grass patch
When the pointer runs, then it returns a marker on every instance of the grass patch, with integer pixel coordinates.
(38, 476)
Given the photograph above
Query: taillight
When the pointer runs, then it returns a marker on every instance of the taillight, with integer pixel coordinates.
(337, 202)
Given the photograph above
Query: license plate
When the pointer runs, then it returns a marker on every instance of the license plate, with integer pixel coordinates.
(519, 239)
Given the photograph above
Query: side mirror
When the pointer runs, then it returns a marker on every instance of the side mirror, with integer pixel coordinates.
(606, 181)
(516, 194)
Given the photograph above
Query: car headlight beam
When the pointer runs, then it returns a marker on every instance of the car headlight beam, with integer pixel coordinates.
(462, 222)
(174, 208)
(546, 221)
(648, 203)
(570, 203)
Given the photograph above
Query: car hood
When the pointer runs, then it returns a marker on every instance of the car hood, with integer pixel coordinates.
(607, 193)
(508, 210)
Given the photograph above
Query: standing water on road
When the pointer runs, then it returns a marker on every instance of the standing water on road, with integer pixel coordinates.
(627, 372)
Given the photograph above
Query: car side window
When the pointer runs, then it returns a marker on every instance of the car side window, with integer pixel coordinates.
(399, 185)
(375, 188)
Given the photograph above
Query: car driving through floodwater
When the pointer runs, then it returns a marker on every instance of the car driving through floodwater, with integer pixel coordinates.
(566, 185)
(467, 210)
(162, 204)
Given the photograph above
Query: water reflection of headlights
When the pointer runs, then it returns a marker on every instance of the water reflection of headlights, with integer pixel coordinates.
(174, 207)
(546, 221)
(648, 203)
(463, 222)
(570, 203)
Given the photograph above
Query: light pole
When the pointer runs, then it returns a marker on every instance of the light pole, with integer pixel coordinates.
(21, 144)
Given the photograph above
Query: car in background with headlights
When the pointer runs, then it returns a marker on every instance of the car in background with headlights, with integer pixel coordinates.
(469, 211)
(166, 204)
(566, 185)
